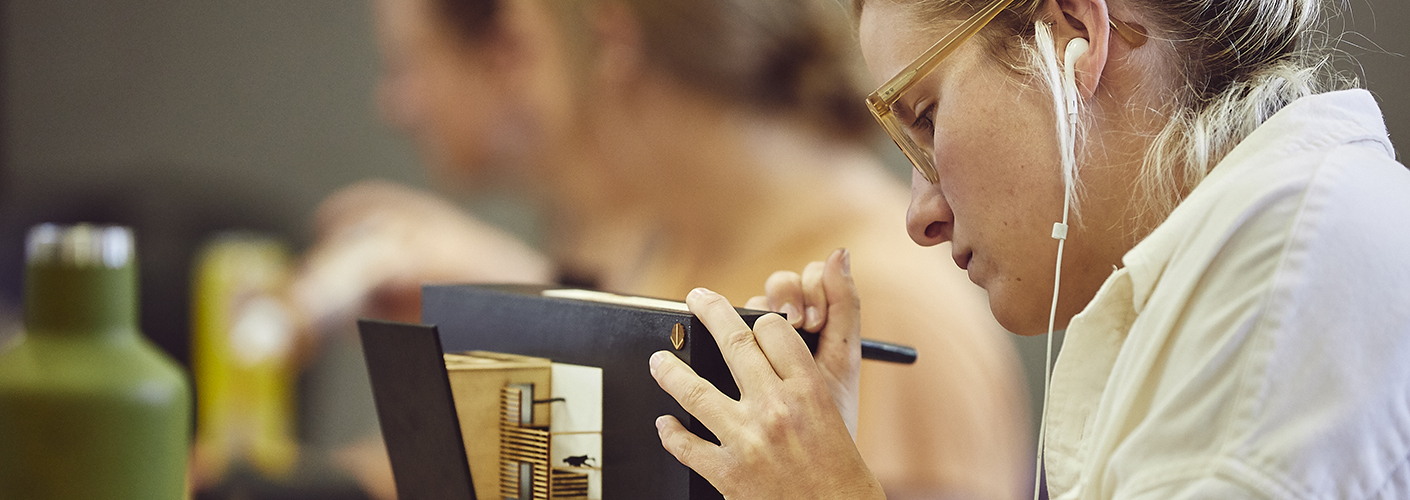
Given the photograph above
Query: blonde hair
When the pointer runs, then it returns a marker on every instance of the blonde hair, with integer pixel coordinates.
(1249, 59)
(1239, 62)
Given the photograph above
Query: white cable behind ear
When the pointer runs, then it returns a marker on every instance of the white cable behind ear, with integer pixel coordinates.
(1067, 137)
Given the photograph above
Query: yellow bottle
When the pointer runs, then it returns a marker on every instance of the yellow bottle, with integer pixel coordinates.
(242, 357)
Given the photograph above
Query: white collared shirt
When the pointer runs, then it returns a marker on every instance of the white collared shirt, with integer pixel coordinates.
(1257, 343)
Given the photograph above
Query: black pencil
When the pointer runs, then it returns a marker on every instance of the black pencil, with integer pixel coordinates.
(875, 350)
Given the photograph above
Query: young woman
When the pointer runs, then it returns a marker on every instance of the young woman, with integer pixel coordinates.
(672, 144)
(1231, 240)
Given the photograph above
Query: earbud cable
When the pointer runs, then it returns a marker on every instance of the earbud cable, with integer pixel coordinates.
(1068, 135)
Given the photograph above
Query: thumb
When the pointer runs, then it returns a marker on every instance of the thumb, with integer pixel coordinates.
(841, 339)
(839, 354)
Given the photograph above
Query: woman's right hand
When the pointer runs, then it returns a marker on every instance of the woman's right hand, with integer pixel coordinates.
(378, 242)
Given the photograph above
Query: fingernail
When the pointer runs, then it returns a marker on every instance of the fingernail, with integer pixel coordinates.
(846, 262)
(660, 423)
(814, 316)
(699, 292)
(789, 311)
(656, 360)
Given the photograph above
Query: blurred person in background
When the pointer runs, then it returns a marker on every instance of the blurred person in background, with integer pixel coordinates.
(670, 145)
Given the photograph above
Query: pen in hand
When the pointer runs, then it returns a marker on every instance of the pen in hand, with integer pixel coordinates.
(872, 349)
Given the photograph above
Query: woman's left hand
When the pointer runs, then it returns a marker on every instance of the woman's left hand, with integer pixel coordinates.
(784, 438)
(824, 300)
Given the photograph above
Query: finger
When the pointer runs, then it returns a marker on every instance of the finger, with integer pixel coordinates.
(705, 458)
(786, 351)
(338, 276)
(702, 456)
(758, 303)
(695, 394)
(397, 300)
(351, 206)
(839, 353)
(785, 292)
(736, 340)
(840, 343)
(814, 298)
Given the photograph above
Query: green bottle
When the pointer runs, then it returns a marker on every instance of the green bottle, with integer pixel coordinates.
(89, 409)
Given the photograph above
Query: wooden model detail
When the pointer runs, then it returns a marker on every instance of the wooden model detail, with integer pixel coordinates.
(523, 449)
(476, 381)
(532, 428)
(569, 484)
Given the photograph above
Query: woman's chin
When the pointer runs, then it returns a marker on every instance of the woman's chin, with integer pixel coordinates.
(1018, 318)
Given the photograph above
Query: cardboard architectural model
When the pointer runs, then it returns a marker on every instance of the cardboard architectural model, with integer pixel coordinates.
(442, 440)
(548, 417)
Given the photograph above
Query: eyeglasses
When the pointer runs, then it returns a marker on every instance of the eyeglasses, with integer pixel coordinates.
(880, 102)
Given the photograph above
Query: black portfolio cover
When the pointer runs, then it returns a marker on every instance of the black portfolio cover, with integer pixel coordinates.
(617, 338)
(417, 415)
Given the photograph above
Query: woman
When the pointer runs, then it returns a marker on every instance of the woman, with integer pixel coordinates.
(1235, 283)
(672, 144)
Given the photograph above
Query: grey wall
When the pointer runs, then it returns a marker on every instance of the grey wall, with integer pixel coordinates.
(184, 118)
(274, 91)
(1378, 38)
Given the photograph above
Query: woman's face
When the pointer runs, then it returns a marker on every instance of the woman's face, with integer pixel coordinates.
(453, 96)
(999, 190)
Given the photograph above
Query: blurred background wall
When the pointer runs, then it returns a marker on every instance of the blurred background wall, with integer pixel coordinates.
(186, 118)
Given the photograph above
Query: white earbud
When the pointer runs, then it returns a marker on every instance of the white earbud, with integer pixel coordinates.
(1075, 49)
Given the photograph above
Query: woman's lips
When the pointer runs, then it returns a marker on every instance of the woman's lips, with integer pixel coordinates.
(962, 257)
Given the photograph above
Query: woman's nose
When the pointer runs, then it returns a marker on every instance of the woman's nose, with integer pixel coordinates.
(929, 219)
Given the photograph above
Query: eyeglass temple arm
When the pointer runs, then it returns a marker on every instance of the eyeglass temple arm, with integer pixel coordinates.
(1134, 34)
(886, 95)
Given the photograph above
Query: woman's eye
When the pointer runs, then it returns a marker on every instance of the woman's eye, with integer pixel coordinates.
(923, 127)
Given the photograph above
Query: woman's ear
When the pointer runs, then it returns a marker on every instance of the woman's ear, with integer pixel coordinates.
(1082, 19)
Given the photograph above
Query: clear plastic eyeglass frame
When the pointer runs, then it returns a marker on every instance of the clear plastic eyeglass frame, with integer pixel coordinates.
(880, 102)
